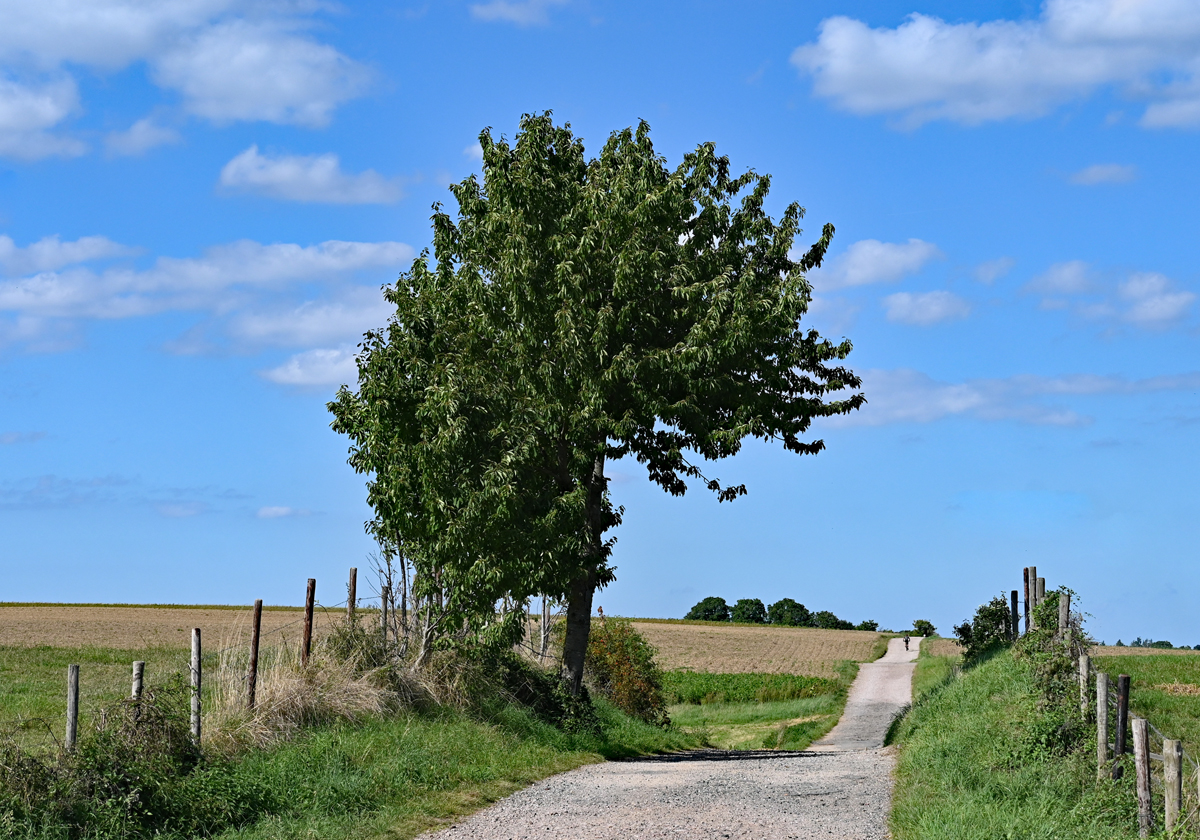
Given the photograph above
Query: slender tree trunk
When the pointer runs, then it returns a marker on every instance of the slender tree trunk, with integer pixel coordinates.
(583, 587)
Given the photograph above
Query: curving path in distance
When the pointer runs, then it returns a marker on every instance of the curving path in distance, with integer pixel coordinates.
(839, 788)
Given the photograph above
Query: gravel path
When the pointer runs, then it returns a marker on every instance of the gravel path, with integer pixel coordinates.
(841, 788)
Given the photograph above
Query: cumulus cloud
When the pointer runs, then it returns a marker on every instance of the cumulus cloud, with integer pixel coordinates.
(1144, 299)
(1152, 300)
(972, 72)
(50, 252)
(316, 368)
(1104, 173)
(312, 178)
(924, 309)
(992, 270)
(316, 322)
(909, 396)
(139, 138)
(872, 261)
(1064, 278)
(520, 12)
(26, 115)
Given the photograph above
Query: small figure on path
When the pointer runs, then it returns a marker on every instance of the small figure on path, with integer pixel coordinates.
(906, 641)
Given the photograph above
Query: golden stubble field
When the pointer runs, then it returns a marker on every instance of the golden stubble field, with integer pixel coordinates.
(131, 628)
(736, 649)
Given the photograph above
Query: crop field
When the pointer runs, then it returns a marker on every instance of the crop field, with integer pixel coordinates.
(1113, 650)
(1164, 688)
(742, 649)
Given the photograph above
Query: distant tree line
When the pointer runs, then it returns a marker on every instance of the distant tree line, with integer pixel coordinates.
(1148, 643)
(785, 612)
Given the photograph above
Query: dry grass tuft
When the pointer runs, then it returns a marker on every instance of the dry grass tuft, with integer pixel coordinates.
(1179, 689)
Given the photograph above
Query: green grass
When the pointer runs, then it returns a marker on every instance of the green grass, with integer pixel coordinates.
(974, 765)
(1176, 716)
(699, 687)
(932, 671)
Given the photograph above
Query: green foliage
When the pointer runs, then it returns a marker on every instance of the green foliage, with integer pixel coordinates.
(620, 666)
(789, 613)
(699, 687)
(921, 627)
(575, 312)
(543, 693)
(749, 611)
(867, 625)
(987, 632)
(710, 609)
(828, 621)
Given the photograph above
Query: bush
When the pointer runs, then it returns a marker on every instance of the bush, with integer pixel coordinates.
(987, 632)
(828, 621)
(543, 692)
(710, 609)
(749, 611)
(620, 667)
(921, 627)
(867, 625)
(788, 613)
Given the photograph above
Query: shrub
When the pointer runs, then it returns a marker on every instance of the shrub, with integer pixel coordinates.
(788, 613)
(710, 609)
(620, 666)
(828, 621)
(749, 611)
(921, 627)
(987, 632)
(867, 625)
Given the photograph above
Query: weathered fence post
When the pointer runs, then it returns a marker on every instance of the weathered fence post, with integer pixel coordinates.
(1033, 597)
(1085, 669)
(1101, 724)
(309, 600)
(1172, 780)
(139, 670)
(196, 684)
(1041, 591)
(72, 705)
(1013, 618)
(352, 594)
(1122, 723)
(1141, 761)
(252, 675)
(1064, 616)
(1028, 607)
(385, 595)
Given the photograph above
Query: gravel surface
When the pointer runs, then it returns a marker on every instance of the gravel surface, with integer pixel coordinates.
(839, 789)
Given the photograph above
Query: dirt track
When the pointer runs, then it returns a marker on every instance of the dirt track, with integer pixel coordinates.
(839, 789)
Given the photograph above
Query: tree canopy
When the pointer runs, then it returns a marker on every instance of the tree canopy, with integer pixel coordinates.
(574, 313)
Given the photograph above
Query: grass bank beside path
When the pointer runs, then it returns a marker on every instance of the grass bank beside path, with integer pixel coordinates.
(1164, 689)
(979, 760)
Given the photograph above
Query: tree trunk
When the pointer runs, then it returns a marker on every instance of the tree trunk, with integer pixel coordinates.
(583, 587)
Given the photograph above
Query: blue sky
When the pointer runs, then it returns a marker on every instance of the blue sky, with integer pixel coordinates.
(199, 200)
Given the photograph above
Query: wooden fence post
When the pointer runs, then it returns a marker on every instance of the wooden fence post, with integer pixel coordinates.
(139, 671)
(252, 675)
(1141, 760)
(1027, 605)
(1101, 724)
(72, 705)
(1085, 669)
(196, 684)
(385, 595)
(309, 600)
(1041, 591)
(1013, 618)
(1033, 597)
(1064, 615)
(352, 594)
(1122, 723)
(1172, 780)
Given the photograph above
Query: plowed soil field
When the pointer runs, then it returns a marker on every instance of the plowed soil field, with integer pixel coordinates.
(738, 649)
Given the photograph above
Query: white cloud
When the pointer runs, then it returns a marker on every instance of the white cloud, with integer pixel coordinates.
(992, 270)
(872, 261)
(259, 71)
(909, 396)
(1065, 278)
(520, 12)
(49, 253)
(141, 137)
(314, 178)
(474, 151)
(924, 309)
(1152, 300)
(1104, 173)
(274, 512)
(972, 72)
(27, 112)
(316, 322)
(317, 367)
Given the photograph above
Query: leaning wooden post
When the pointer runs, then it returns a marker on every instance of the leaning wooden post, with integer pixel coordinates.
(1172, 780)
(352, 593)
(252, 675)
(1027, 605)
(309, 600)
(1141, 761)
(1122, 723)
(196, 684)
(72, 705)
(384, 596)
(1085, 668)
(1013, 617)
(1101, 724)
(139, 671)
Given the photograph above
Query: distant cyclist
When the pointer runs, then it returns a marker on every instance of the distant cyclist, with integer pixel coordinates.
(906, 641)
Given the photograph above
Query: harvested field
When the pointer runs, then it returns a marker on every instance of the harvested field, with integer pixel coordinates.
(1113, 650)
(126, 628)
(941, 647)
(742, 649)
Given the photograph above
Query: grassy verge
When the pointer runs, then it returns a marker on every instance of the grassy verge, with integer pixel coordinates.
(979, 759)
(935, 666)
(1164, 689)
(757, 711)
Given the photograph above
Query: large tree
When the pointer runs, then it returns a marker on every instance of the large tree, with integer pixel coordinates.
(578, 312)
